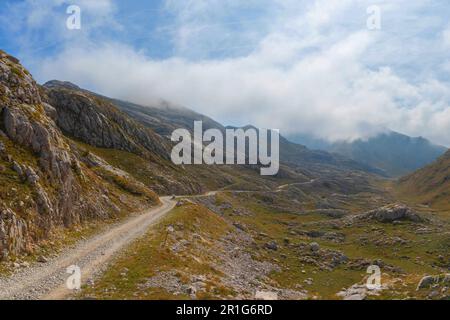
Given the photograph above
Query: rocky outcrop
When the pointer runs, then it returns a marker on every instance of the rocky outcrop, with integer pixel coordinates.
(13, 234)
(48, 169)
(359, 292)
(96, 121)
(391, 213)
(433, 281)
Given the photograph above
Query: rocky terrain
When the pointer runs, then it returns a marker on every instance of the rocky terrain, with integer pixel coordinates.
(47, 278)
(72, 160)
(229, 245)
(47, 182)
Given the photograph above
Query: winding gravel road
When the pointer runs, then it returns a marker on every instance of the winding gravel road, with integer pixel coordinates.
(48, 280)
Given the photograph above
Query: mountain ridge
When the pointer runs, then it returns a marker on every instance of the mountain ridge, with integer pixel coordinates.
(430, 185)
(166, 118)
(394, 153)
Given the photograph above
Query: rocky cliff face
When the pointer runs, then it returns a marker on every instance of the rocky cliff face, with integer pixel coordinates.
(43, 176)
(97, 122)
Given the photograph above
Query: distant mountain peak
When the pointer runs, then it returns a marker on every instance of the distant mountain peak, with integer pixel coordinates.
(395, 153)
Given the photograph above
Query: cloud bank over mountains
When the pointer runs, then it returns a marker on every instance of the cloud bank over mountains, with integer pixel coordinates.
(301, 66)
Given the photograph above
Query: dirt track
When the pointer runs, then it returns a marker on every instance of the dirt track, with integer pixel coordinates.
(48, 281)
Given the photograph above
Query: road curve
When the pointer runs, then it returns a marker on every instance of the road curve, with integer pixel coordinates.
(48, 281)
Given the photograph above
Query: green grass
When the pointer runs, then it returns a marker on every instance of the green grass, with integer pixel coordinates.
(17, 72)
(149, 256)
(327, 283)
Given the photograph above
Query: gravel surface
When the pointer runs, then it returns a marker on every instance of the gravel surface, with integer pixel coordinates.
(48, 280)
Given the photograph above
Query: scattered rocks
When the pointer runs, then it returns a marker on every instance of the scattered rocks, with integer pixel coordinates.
(42, 259)
(433, 281)
(192, 291)
(315, 234)
(391, 213)
(165, 280)
(324, 259)
(239, 226)
(332, 213)
(17, 168)
(31, 176)
(240, 212)
(183, 202)
(358, 292)
(329, 236)
(266, 295)
(272, 245)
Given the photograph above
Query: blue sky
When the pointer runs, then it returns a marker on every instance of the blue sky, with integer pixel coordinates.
(304, 66)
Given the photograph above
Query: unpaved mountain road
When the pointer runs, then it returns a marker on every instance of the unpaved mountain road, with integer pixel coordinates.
(48, 280)
(285, 186)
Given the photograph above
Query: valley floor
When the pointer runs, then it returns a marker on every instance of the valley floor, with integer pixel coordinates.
(246, 245)
(292, 243)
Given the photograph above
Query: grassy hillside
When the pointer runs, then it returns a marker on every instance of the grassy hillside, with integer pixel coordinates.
(429, 186)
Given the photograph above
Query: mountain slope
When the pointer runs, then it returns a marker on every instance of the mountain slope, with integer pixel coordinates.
(297, 162)
(166, 118)
(46, 182)
(394, 153)
(429, 185)
(101, 128)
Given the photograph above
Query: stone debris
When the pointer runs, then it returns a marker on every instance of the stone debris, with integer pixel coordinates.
(358, 292)
(391, 213)
(266, 295)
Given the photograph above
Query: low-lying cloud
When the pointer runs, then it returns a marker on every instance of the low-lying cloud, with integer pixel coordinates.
(318, 70)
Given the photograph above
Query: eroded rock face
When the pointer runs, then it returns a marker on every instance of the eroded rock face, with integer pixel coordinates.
(99, 123)
(47, 165)
(43, 140)
(13, 234)
(26, 124)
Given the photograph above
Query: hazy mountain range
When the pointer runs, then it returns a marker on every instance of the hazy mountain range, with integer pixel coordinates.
(393, 153)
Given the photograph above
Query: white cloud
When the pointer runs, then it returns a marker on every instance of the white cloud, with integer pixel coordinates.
(37, 26)
(311, 67)
(446, 38)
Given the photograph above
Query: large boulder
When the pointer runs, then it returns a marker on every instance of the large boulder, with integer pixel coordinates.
(391, 213)
(430, 281)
